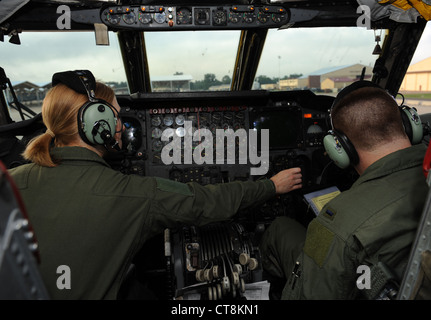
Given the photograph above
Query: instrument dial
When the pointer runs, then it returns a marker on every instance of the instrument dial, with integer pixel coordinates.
(184, 16)
(180, 131)
(157, 145)
(277, 18)
(235, 17)
(168, 120)
(156, 133)
(160, 17)
(129, 18)
(179, 120)
(145, 18)
(156, 121)
(220, 18)
(249, 17)
(263, 17)
(113, 18)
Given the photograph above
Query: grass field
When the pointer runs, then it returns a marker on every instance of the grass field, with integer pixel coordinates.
(425, 96)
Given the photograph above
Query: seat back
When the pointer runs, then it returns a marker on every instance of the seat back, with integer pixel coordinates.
(19, 274)
(416, 283)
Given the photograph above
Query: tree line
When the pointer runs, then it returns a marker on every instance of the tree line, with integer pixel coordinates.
(211, 80)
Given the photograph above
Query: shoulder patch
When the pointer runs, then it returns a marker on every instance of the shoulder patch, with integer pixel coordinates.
(173, 186)
(318, 241)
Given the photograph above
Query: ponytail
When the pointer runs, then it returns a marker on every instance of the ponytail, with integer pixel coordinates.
(37, 151)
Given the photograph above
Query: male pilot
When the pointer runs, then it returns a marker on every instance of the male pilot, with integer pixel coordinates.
(373, 222)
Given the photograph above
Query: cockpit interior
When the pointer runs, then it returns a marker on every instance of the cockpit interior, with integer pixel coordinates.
(243, 128)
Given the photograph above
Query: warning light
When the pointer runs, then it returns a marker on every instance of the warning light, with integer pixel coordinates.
(143, 9)
(307, 116)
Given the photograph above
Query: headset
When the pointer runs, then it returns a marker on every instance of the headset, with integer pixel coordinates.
(97, 119)
(338, 146)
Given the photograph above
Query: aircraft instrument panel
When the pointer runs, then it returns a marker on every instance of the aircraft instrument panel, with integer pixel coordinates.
(221, 137)
(218, 137)
(160, 17)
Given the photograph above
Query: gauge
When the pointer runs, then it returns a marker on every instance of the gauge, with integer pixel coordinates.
(156, 121)
(202, 16)
(113, 18)
(263, 17)
(314, 128)
(220, 18)
(145, 18)
(180, 131)
(157, 145)
(156, 133)
(235, 17)
(278, 17)
(184, 16)
(179, 120)
(168, 120)
(160, 17)
(129, 18)
(249, 17)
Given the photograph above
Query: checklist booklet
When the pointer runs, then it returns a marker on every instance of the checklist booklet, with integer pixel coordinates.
(317, 199)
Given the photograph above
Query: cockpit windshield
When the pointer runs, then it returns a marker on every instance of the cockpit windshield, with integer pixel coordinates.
(191, 61)
(320, 59)
(41, 54)
(291, 58)
(201, 60)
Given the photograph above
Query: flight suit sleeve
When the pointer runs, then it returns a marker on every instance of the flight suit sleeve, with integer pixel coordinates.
(177, 203)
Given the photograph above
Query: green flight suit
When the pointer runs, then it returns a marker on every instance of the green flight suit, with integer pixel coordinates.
(93, 219)
(375, 220)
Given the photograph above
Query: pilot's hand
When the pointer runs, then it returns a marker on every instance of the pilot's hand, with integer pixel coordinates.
(287, 180)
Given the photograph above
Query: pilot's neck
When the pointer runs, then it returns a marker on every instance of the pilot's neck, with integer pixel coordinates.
(80, 143)
(367, 158)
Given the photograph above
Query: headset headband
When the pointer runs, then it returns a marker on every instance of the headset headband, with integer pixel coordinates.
(81, 81)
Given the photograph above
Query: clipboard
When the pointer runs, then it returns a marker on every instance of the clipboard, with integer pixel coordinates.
(317, 199)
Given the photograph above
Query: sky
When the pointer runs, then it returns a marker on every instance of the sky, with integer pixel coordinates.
(194, 53)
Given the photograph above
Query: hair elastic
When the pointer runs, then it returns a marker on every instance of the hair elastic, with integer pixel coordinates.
(52, 134)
